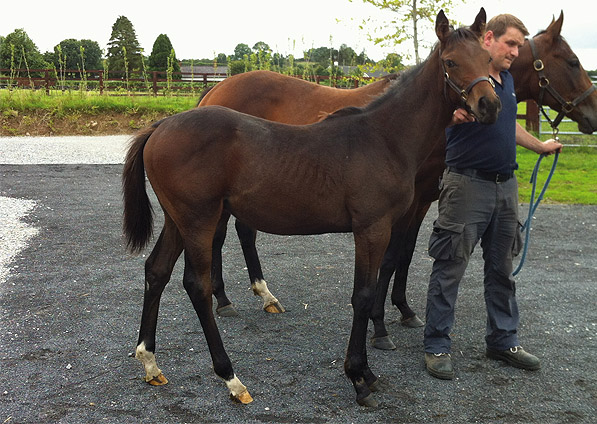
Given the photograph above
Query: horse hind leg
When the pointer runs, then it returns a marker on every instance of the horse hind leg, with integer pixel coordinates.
(197, 283)
(158, 269)
(247, 237)
(224, 306)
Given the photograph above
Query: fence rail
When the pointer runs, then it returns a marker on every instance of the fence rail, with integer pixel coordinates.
(148, 83)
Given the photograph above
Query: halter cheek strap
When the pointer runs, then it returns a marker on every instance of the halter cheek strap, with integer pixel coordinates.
(544, 85)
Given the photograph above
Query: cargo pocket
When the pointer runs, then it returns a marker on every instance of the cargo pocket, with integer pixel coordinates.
(517, 243)
(445, 242)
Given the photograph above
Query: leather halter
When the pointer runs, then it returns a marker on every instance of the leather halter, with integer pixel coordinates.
(463, 93)
(544, 85)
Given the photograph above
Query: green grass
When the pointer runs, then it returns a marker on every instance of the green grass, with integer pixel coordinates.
(62, 104)
(574, 180)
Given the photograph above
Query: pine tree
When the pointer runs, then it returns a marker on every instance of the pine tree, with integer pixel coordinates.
(161, 55)
(124, 41)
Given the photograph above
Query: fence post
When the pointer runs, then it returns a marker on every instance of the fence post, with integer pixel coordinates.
(101, 82)
(154, 77)
(532, 116)
(47, 78)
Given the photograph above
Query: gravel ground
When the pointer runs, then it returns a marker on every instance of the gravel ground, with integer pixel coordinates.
(70, 304)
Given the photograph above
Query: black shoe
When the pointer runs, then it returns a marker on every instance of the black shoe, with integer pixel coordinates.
(439, 365)
(515, 356)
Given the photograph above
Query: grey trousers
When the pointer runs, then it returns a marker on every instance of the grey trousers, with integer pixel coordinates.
(470, 210)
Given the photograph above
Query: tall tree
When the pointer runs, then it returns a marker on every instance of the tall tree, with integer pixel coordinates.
(411, 14)
(162, 55)
(241, 50)
(123, 47)
(76, 54)
(18, 51)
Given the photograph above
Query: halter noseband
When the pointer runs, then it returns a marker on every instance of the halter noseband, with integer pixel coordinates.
(544, 85)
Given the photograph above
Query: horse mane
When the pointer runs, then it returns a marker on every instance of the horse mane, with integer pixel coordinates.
(204, 93)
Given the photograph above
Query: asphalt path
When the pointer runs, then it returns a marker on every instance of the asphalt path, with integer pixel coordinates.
(71, 297)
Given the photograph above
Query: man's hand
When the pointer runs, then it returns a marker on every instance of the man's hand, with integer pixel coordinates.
(460, 116)
(551, 146)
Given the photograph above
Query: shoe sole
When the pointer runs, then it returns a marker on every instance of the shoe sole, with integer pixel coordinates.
(500, 357)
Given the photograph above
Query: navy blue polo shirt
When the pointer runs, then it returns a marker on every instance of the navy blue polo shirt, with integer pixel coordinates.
(490, 148)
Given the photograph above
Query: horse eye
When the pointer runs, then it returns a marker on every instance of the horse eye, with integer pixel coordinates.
(574, 63)
(450, 63)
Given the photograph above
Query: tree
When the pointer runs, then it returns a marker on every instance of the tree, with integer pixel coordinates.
(18, 51)
(411, 13)
(346, 56)
(241, 50)
(162, 55)
(76, 54)
(123, 47)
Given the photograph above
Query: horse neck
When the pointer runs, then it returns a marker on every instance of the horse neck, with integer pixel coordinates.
(413, 121)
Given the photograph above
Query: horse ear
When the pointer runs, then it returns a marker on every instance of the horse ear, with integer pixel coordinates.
(442, 26)
(555, 28)
(478, 27)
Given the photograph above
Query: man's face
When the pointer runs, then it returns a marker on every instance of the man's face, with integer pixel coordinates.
(504, 50)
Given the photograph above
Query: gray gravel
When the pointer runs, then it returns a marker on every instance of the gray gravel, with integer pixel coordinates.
(70, 304)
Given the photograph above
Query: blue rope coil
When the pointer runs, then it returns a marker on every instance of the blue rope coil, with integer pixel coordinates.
(526, 228)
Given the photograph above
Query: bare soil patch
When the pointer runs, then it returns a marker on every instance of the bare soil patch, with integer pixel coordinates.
(48, 123)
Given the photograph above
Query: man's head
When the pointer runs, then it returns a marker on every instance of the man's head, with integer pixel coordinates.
(504, 35)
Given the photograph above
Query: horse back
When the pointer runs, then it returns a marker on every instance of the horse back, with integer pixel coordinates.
(281, 98)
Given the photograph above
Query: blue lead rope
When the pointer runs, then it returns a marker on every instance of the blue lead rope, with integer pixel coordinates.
(526, 228)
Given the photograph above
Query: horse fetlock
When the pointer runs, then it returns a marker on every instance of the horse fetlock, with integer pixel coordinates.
(153, 375)
(270, 303)
(238, 391)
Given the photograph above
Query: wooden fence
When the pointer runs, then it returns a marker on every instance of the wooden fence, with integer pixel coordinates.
(159, 83)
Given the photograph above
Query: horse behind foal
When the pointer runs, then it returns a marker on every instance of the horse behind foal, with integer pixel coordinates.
(353, 172)
(275, 97)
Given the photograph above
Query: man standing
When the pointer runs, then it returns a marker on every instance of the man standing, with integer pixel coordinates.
(479, 201)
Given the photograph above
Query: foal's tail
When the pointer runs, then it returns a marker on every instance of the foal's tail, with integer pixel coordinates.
(138, 213)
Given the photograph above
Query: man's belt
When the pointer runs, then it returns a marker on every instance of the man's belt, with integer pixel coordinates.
(482, 175)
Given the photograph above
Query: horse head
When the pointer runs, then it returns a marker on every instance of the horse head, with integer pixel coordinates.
(558, 79)
(465, 65)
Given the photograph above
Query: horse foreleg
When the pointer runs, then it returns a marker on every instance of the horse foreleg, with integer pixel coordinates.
(224, 307)
(369, 249)
(197, 283)
(158, 269)
(247, 237)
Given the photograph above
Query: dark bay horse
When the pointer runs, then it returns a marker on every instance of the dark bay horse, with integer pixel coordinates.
(271, 98)
(352, 172)
(275, 97)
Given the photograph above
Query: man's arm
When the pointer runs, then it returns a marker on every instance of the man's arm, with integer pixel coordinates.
(528, 141)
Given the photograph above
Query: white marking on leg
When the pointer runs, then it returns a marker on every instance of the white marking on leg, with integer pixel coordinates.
(260, 289)
(148, 360)
(235, 386)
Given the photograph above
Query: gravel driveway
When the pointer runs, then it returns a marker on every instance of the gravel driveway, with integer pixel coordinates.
(71, 297)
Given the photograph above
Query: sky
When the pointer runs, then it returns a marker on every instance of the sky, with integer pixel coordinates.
(202, 29)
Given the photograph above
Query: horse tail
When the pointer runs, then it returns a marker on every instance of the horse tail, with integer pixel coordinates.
(138, 213)
(204, 93)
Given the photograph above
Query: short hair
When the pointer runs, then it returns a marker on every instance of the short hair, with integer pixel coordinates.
(499, 24)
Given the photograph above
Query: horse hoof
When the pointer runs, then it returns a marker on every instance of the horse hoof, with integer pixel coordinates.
(158, 380)
(274, 308)
(227, 311)
(383, 343)
(375, 386)
(368, 401)
(412, 322)
(243, 397)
